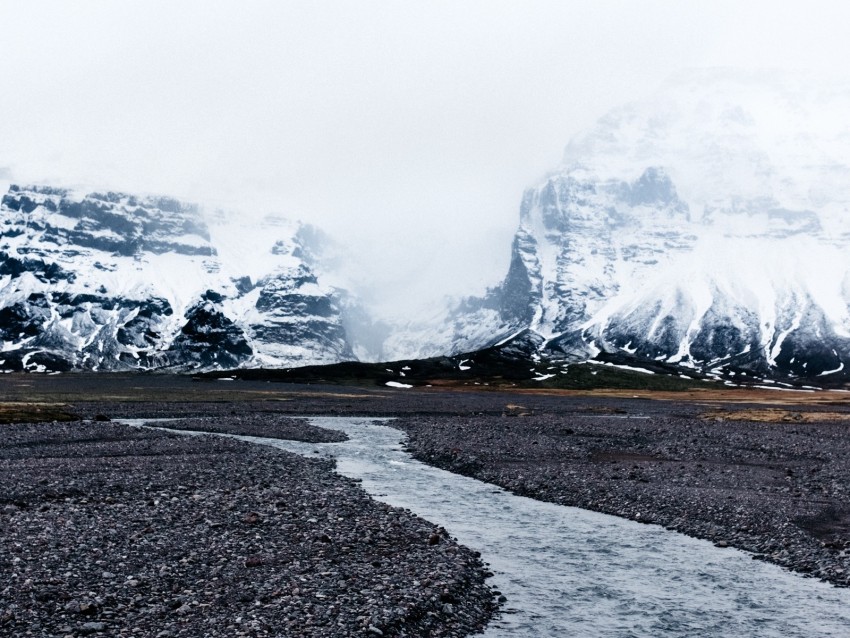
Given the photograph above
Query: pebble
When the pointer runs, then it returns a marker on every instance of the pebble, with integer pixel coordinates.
(275, 544)
(778, 490)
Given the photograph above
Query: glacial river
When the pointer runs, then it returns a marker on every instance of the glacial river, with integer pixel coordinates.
(571, 572)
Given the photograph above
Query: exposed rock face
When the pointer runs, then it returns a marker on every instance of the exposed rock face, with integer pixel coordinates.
(209, 337)
(293, 309)
(109, 281)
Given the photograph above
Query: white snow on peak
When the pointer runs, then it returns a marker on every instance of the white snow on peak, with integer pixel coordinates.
(724, 196)
(722, 133)
(711, 220)
(122, 252)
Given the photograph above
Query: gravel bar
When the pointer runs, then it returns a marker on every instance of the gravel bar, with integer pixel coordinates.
(271, 426)
(778, 490)
(108, 530)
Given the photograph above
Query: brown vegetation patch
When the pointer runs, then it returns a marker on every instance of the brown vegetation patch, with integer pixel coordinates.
(775, 415)
(333, 395)
(719, 395)
(17, 412)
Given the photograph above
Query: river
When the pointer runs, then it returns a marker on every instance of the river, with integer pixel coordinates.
(570, 572)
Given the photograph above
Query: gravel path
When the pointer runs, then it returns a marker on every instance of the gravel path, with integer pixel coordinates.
(779, 490)
(111, 530)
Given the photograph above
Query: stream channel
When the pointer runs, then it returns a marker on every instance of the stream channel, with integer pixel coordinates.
(571, 572)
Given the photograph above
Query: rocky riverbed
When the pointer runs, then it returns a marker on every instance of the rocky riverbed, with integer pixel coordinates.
(780, 490)
(75, 499)
(111, 530)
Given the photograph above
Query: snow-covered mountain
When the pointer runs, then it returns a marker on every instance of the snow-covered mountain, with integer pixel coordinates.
(706, 227)
(108, 281)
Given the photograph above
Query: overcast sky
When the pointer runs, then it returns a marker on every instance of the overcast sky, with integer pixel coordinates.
(407, 130)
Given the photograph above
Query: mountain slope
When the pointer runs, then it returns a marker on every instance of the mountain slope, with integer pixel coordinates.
(108, 281)
(707, 227)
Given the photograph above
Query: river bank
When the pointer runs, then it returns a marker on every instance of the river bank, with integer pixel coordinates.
(566, 571)
(112, 530)
(778, 489)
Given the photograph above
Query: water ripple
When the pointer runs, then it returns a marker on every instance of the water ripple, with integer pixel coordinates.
(571, 572)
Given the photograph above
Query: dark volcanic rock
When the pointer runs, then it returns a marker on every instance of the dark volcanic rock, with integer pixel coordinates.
(108, 530)
(273, 426)
(779, 490)
(209, 338)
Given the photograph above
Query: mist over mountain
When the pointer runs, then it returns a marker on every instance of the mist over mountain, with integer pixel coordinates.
(707, 227)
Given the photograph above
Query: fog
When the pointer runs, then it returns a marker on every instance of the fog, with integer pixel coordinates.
(407, 131)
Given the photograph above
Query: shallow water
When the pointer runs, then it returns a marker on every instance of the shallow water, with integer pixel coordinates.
(571, 572)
